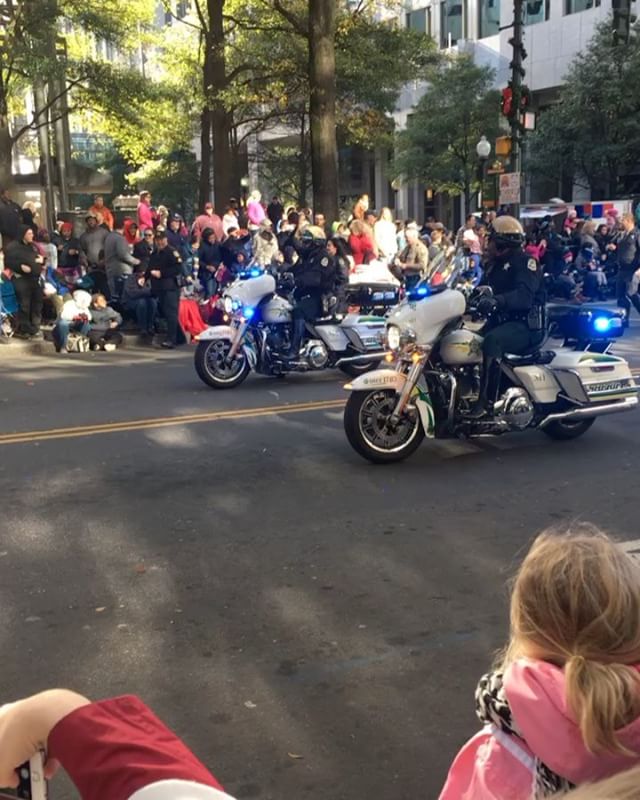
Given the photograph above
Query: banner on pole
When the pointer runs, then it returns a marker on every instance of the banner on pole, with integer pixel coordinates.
(510, 188)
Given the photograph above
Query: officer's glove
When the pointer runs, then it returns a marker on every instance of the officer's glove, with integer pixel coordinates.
(486, 306)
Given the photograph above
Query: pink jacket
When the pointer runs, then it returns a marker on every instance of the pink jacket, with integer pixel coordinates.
(145, 217)
(496, 766)
(255, 212)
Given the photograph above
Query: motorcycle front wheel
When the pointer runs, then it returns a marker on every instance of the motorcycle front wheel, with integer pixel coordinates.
(372, 434)
(214, 368)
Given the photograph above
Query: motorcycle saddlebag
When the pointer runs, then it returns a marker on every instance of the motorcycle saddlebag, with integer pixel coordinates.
(373, 294)
(584, 323)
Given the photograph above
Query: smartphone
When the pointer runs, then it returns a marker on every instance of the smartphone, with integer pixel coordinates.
(33, 785)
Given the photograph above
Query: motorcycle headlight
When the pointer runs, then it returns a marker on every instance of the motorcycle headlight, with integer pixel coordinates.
(228, 305)
(393, 337)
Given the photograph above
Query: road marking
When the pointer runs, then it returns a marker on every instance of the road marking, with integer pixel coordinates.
(23, 437)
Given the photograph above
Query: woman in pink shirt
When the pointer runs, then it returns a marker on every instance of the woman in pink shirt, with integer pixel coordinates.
(563, 708)
(255, 210)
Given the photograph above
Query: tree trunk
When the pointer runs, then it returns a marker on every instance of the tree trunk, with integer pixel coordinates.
(221, 119)
(6, 176)
(204, 189)
(322, 107)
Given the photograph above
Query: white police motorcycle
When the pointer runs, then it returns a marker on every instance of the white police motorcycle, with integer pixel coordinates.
(432, 380)
(258, 330)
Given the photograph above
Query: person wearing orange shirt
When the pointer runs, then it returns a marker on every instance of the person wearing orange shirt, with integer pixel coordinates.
(99, 208)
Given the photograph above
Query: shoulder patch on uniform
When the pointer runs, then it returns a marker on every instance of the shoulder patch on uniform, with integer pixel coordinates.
(532, 264)
(325, 262)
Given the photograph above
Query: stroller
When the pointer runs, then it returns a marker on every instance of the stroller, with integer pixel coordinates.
(8, 307)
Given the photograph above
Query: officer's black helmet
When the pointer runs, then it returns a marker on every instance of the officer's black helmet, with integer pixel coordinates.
(312, 236)
(506, 233)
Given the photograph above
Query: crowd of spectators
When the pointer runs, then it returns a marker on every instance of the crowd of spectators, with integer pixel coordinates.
(148, 269)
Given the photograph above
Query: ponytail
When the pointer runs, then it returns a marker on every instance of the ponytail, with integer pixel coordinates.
(602, 699)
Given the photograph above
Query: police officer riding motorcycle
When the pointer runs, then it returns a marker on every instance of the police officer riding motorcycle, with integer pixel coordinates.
(513, 302)
(315, 277)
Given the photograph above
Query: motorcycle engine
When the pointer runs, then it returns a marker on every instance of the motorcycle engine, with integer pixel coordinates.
(278, 338)
(515, 409)
(315, 354)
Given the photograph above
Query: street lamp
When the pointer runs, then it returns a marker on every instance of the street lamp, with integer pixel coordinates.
(483, 149)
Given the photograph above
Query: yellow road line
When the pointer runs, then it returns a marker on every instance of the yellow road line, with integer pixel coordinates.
(22, 437)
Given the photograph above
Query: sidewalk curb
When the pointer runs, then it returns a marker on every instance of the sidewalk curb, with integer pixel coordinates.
(43, 347)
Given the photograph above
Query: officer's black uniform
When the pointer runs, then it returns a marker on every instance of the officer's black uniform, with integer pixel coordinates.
(517, 325)
(309, 274)
(516, 321)
(167, 288)
(628, 252)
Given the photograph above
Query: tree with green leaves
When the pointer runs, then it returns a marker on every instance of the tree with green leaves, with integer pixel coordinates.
(275, 70)
(57, 49)
(590, 135)
(438, 145)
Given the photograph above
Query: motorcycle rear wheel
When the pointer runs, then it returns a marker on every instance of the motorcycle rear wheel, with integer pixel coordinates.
(356, 368)
(366, 423)
(564, 431)
(213, 368)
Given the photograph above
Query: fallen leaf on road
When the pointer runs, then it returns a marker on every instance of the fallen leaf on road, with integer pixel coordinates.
(100, 609)
(140, 569)
(249, 704)
(294, 755)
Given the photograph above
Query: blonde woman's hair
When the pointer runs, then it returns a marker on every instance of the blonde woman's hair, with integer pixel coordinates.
(576, 604)
(589, 228)
(625, 786)
(357, 227)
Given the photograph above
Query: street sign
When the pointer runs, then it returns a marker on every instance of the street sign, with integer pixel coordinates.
(510, 188)
(497, 168)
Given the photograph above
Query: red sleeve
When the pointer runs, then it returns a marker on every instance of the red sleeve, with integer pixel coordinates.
(356, 250)
(114, 748)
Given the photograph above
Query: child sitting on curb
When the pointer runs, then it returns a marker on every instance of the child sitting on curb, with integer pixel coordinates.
(105, 321)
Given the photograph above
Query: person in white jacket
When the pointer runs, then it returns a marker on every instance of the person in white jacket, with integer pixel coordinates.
(75, 316)
(384, 232)
(115, 749)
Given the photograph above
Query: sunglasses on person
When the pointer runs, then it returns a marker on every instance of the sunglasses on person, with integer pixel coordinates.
(148, 236)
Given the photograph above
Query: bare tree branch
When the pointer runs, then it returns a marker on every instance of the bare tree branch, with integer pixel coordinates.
(295, 22)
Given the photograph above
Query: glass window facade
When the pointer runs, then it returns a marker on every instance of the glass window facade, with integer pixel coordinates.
(452, 21)
(417, 20)
(574, 6)
(536, 11)
(488, 18)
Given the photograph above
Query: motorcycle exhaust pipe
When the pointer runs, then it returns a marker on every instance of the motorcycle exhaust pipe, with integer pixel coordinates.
(364, 357)
(586, 412)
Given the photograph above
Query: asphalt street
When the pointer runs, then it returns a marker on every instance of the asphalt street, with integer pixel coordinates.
(313, 626)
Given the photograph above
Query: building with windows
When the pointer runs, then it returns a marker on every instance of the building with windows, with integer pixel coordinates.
(555, 31)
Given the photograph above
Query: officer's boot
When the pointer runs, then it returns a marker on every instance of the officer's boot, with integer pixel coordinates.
(299, 326)
(481, 407)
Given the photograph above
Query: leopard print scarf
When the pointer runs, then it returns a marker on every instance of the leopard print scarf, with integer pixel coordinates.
(492, 708)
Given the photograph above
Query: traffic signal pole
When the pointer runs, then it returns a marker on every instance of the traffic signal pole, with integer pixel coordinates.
(623, 20)
(516, 83)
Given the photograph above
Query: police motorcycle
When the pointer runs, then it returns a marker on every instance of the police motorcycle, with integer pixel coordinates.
(432, 378)
(257, 334)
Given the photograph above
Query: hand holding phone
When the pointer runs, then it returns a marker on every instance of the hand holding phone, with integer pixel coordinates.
(32, 783)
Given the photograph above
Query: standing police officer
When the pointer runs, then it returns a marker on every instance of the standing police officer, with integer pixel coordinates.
(165, 269)
(515, 310)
